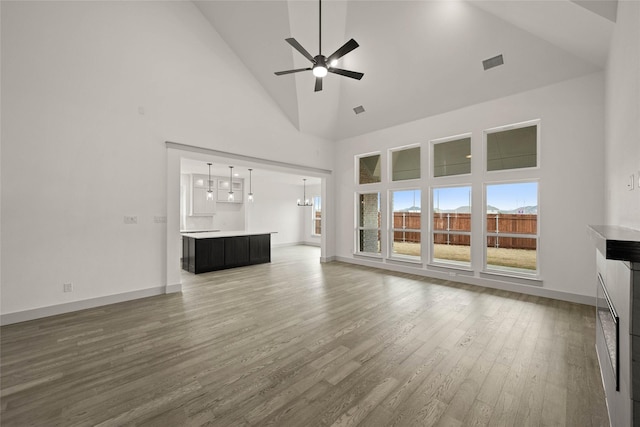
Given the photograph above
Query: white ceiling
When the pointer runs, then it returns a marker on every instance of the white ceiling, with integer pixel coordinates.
(420, 58)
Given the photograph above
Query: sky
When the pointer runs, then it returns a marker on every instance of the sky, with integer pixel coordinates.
(502, 196)
(406, 199)
(507, 197)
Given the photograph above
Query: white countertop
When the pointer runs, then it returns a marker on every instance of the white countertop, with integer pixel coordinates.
(214, 234)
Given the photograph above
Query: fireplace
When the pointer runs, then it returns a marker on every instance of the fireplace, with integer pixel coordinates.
(608, 321)
(617, 290)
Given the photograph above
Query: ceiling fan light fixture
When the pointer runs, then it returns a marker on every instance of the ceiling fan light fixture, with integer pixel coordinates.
(321, 65)
(319, 71)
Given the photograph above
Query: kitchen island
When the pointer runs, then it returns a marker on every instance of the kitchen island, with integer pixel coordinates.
(218, 250)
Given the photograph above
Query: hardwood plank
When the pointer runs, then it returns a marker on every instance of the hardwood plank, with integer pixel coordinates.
(348, 345)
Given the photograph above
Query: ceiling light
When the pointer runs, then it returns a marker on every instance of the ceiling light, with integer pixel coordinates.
(210, 191)
(250, 196)
(230, 197)
(305, 202)
(319, 71)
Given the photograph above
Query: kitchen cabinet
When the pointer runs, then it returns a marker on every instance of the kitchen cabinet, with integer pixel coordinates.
(223, 191)
(200, 205)
(236, 251)
(203, 252)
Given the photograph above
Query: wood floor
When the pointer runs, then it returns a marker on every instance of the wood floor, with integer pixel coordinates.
(299, 343)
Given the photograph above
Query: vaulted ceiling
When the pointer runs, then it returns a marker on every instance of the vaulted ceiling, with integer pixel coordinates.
(419, 58)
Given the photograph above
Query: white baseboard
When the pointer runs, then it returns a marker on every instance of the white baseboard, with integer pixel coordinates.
(473, 280)
(284, 245)
(53, 310)
(172, 289)
(307, 243)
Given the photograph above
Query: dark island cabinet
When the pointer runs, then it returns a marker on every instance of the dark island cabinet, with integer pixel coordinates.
(260, 248)
(210, 254)
(236, 251)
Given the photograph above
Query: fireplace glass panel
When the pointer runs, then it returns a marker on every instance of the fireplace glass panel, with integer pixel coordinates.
(607, 318)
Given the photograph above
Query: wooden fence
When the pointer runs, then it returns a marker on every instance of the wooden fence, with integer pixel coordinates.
(443, 222)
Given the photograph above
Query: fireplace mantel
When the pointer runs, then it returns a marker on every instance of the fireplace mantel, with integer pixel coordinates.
(615, 242)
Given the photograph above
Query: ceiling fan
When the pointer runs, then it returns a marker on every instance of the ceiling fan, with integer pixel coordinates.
(323, 64)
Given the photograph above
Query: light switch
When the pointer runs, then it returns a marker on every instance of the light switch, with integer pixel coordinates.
(130, 219)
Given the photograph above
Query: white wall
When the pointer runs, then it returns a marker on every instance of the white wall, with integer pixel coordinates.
(275, 209)
(90, 92)
(571, 178)
(623, 118)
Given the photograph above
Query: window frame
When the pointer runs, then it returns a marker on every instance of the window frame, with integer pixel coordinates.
(392, 230)
(485, 234)
(356, 168)
(313, 216)
(432, 232)
(390, 164)
(513, 126)
(434, 142)
(359, 228)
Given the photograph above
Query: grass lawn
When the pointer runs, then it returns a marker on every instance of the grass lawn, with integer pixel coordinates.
(513, 258)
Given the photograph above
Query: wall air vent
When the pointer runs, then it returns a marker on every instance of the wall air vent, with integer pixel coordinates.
(492, 62)
(359, 109)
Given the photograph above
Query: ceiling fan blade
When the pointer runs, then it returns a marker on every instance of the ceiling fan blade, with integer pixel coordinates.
(353, 74)
(318, 87)
(346, 48)
(280, 73)
(297, 46)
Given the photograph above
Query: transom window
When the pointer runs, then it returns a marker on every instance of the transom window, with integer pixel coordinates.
(405, 164)
(369, 169)
(512, 148)
(452, 157)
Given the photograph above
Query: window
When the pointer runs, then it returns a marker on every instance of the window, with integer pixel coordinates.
(512, 228)
(369, 169)
(405, 164)
(405, 229)
(369, 223)
(452, 157)
(512, 148)
(316, 218)
(451, 227)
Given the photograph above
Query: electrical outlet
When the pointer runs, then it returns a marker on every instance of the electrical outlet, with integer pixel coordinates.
(130, 219)
(67, 287)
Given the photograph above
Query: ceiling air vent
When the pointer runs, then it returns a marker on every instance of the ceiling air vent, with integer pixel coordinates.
(359, 109)
(492, 62)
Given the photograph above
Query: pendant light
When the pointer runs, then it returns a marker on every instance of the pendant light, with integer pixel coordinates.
(250, 196)
(305, 202)
(230, 197)
(209, 191)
